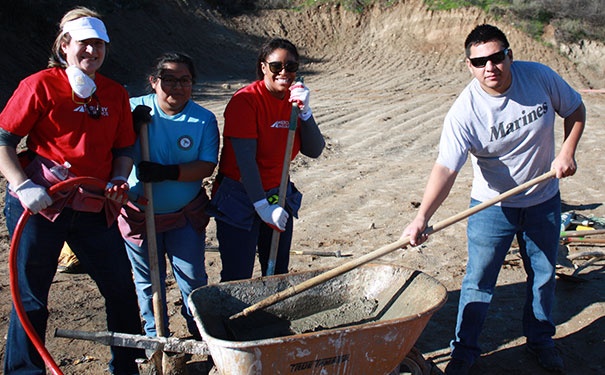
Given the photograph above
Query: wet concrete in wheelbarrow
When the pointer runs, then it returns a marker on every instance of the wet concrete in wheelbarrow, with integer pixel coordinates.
(260, 325)
(374, 293)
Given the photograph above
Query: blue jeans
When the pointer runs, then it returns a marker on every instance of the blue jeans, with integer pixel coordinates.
(238, 248)
(101, 252)
(490, 233)
(185, 250)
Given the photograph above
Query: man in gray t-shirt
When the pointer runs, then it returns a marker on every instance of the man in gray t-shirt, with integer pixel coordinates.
(505, 119)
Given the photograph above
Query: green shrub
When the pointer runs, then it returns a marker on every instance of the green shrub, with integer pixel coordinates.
(354, 5)
(486, 5)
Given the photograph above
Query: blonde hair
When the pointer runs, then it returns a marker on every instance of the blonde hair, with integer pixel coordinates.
(57, 57)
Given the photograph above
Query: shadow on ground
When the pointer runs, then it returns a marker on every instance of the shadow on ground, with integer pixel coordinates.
(502, 340)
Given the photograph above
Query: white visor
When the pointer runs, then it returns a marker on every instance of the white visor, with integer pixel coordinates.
(86, 28)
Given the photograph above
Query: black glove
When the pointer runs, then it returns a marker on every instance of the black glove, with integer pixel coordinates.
(148, 171)
(140, 115)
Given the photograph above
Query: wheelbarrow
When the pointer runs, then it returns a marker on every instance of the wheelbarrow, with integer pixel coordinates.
(365, 321)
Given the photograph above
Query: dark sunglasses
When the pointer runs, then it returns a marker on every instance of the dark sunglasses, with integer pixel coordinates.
(496, 58)
(277, 66)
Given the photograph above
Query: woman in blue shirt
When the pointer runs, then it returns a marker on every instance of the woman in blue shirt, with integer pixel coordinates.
(183, 147)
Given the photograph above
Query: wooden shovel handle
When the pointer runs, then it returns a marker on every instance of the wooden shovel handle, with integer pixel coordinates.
(582, 233)
(152, 249)
(283, 186)
(585, 241)
(386, 249)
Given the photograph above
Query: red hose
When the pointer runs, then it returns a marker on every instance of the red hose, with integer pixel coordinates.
(12, 264)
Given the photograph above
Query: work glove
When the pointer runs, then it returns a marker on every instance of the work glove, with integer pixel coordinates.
(272, 214)
(32, 196)
(300, 93)
(140, 115)
(148, 171)
(117, 190)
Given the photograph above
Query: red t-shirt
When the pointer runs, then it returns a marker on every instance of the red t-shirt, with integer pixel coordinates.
(253, 112)
(60, 129)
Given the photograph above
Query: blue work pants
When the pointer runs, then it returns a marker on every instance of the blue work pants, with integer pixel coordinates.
(184, 247)
(490, 233)
(101, 252)
(238, 248)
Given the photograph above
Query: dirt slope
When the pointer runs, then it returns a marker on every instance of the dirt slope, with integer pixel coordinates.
(381, 83)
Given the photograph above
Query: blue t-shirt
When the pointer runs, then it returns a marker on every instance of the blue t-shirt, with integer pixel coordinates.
(188, 136)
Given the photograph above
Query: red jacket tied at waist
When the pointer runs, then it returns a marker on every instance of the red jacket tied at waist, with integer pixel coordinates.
(132, 220)
(77, 198)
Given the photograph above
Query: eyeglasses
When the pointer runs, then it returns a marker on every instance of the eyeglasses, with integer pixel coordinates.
(170, 81)
(94, 111)
(277, 66)
(496, 58)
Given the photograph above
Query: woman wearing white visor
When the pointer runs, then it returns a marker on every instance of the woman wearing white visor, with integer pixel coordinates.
(76, 118)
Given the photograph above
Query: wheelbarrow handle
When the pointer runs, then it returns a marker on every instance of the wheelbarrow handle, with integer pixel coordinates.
(403, 242)
(127, 340)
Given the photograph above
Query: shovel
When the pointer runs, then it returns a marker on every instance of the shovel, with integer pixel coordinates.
(283, 186)
(386, 249)
(158, 305)
(162, 362)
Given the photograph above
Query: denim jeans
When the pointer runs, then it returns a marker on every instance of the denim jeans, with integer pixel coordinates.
(490, 233)
(238, 248)
(184, 247)
(101, 252)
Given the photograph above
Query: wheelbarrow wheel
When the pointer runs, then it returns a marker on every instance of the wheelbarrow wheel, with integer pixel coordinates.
(414, 364)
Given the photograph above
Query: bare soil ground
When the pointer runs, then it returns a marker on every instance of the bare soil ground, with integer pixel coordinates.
(381, 83)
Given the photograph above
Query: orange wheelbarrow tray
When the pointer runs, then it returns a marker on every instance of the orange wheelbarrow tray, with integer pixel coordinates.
(364, 321)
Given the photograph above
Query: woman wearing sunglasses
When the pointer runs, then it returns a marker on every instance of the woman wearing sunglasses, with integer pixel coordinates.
(77, 123)
(183, 150)
(255, 134)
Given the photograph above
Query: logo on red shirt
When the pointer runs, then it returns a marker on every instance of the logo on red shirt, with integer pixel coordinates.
(281, 124)
(82, 108)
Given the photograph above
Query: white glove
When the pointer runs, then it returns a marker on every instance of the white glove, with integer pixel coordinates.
(300, 93)
(33, 196)
(117, 190)
(272, 214)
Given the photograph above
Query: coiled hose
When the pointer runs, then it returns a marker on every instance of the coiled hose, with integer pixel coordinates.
(12, 264)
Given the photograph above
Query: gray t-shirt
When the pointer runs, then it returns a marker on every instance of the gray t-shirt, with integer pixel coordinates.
(511, 136)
